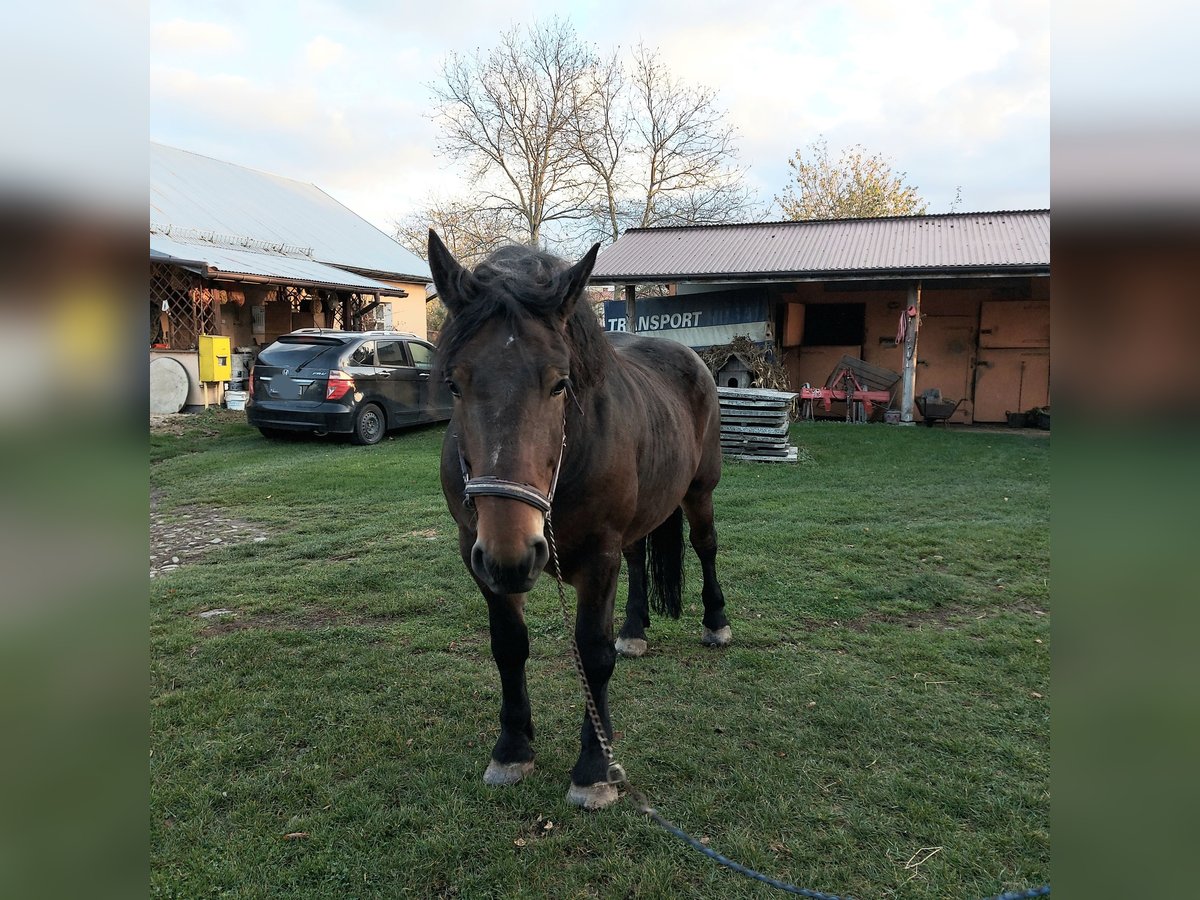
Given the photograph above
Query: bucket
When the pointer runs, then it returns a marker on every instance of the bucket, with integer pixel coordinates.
(236, 399)
(891, 416)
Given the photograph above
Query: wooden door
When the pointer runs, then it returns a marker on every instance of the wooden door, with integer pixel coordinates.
(1010, 380)
(1024, 324)
(945, 359)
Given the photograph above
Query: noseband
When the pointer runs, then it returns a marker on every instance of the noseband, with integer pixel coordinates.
(490, 486)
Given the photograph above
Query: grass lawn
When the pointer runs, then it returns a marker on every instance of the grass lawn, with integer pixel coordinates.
(879, 728)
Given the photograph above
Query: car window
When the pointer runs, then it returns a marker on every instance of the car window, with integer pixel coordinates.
(364, 355)
(391, 353)
(293, 353)
(421, 354)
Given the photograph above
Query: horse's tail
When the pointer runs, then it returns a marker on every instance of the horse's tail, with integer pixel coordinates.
(665, 552)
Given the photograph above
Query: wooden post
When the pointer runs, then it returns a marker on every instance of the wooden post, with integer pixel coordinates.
(630, 309)
(909, 375)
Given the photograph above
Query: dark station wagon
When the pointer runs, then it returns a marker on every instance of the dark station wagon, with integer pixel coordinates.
(361, 383)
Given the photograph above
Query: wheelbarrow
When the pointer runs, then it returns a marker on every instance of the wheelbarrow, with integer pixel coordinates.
(935, 409)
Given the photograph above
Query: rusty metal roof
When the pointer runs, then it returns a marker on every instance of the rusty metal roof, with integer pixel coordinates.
(953, 244)
(197, 199)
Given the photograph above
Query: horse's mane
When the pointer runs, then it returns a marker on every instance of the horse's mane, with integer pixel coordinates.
(519, 282)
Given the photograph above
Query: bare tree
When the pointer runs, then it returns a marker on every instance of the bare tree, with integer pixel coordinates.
(469, 230)
(579, 147)
(687, 151)
(508, 114)
(600, 136)
(659, 149)
(857, 185)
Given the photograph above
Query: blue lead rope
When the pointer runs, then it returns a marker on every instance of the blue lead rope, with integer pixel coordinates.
(1028, 894)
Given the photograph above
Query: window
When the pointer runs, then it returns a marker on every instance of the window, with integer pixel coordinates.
(364, 355)
(391, 353)
(421, 354)
(834, 324)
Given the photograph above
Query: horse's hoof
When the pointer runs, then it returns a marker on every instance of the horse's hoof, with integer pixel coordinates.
(631, 647)
(506, 773)
(596, 796)
(719, 638)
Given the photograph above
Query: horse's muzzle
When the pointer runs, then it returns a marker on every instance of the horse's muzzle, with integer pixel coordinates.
(515, 576)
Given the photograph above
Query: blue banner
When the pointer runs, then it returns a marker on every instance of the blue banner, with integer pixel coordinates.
(697, 320)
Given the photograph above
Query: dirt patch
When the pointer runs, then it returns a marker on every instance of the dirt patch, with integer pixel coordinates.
(190, 422)
(309, 620)
(185, 533)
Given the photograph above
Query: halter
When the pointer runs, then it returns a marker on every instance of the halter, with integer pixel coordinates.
(490, 486)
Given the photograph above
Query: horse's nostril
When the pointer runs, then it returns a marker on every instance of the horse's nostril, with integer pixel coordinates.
(479, 562)
(541, 552)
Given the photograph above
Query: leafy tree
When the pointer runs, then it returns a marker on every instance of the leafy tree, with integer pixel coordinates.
(856, 185)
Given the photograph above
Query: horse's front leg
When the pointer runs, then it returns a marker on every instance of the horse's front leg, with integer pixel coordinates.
(512, 757)
(596, 587)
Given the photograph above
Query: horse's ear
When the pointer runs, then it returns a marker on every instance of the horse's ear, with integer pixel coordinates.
(574, 280)
(452, 280)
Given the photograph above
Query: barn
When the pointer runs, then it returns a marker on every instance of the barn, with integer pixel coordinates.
(958, 302)
(247, 255)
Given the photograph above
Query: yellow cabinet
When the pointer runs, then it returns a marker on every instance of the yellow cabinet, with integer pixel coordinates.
(216, 363)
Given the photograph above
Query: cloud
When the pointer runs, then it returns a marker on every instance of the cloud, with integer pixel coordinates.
(373, 153)
(321, 53)
(183, 36)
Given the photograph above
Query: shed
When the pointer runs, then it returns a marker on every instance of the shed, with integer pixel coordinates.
(977, 285)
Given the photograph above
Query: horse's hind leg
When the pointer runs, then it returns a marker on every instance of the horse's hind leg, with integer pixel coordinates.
(631, 641)
(699, 509)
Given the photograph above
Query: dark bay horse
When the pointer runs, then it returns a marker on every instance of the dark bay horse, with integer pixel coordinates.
(615, 439)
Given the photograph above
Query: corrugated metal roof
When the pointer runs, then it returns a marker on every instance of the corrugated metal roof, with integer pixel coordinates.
(955, 243)
(194, 192)
(216, 261)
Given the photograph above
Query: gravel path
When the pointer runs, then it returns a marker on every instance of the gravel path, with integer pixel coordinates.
(185, 533)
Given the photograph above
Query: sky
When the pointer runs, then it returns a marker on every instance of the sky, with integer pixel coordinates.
(956, 94)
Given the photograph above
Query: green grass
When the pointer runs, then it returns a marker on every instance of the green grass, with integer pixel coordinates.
(888, 597)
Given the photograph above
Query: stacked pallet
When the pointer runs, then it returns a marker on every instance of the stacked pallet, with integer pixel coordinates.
(754, 424)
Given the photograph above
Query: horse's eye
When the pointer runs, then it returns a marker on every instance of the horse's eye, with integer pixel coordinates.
(453, 388)
(560, 387)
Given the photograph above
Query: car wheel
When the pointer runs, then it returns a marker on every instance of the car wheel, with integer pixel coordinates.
(369, 425)
(277, 434)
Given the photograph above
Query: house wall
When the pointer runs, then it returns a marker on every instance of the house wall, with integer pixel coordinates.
(408, 313)
(984, 341)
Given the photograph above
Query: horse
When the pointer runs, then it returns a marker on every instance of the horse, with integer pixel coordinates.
(599, 443)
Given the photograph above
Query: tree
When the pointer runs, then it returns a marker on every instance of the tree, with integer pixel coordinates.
(579, 147)
(659, 149)
(857, 185)
(469, 230)
(687, 152)
(508, 114)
